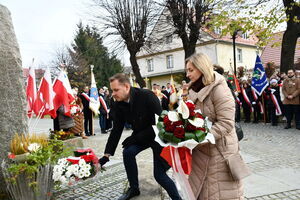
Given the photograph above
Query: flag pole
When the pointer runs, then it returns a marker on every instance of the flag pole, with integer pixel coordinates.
(263, 103)
(31, 114)
(38, 118)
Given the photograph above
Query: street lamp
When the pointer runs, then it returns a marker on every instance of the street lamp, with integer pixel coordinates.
(235, 33)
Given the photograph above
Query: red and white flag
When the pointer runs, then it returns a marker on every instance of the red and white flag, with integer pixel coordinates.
(44, 103)
(31, 92)
(63, 93)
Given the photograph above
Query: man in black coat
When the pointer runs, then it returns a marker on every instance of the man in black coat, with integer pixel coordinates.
(138, 108)
(88, 113)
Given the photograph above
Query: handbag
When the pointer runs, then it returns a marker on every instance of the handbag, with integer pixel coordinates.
(237, 166)
(239, 131)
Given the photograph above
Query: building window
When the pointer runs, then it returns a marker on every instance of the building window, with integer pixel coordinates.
(239, 55)
(170, 62)
(217, 30)
(245, 35)
(150, 65)
(169, 39)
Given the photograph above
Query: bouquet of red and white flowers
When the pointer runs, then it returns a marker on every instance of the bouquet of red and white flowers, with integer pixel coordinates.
(69, 170)
(182, 125)
(179, 132)
(75, 109)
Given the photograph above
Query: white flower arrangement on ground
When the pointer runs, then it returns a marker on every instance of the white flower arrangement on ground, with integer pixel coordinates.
(70, 170)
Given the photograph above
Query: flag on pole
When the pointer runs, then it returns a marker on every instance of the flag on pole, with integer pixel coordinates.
(31, 92)
(45, 97)
(236, 83)
(94, 97)
(259, 78)
(63, 93)
(173, 96)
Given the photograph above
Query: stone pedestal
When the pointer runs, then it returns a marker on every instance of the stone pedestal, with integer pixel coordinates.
(13, 118)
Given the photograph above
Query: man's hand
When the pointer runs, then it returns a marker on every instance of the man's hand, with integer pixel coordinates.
(103, 160)
(129, 141)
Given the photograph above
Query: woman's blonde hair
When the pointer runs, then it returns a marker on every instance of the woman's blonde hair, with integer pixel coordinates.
(204, 64)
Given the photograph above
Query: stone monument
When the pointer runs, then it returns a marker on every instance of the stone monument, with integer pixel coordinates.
(13, 118)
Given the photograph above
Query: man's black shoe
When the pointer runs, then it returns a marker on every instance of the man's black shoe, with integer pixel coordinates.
(288, 126)
(129, 194)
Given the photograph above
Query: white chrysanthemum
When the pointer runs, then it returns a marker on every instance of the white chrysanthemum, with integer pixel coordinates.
(33, 147)
(62, 161)
(82, 162)
(63, 180)
(68, 174)
(87, 173)
(80, 174)
(56, 177)
(87, 167)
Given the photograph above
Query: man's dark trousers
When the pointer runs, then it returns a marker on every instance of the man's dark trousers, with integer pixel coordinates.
(129, 154)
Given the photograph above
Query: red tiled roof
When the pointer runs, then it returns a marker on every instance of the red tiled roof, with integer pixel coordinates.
(272, 51)
(252, 40)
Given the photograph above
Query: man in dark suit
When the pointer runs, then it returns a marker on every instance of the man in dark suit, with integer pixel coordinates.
(88, 114)
(138, 108)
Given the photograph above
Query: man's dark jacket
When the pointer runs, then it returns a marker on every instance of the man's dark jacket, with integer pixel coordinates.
(140, 113)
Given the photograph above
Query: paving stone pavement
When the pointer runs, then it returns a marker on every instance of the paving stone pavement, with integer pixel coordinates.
(272, 153)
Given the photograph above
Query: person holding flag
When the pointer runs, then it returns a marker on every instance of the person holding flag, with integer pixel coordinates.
(259, 79)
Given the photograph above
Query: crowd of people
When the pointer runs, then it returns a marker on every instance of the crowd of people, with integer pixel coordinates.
(279, 101)
(219, 98)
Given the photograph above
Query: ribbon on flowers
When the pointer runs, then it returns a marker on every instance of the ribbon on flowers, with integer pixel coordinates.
(88, 158)
(177, 158)
(184, 155)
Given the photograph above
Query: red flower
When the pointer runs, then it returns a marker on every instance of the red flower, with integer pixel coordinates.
(87, 158)
(11, 156)
(170, 127)
(166, 120)
(178, 123)
(191, 127)
(179, 132)
(190, 105)
(198, 115)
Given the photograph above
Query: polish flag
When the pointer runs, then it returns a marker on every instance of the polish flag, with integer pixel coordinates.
(45, 96)
(63, 92)
(31, 92)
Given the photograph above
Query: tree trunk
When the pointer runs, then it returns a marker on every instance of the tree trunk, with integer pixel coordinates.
(136, 70)
(13, 118)
(290, 36)
(288, 47)
(189, 50)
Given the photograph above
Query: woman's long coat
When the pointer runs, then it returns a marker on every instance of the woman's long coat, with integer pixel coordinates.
(210, 178)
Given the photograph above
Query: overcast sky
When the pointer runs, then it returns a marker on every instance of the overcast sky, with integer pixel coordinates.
(42, 26)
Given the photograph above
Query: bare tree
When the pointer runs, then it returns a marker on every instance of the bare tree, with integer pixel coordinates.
(188, 17)
(129, 19)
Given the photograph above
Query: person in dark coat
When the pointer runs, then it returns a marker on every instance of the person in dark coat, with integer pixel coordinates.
(138, 108)
(88, 114)
(165, 99)
(246, 103)
(103, 109)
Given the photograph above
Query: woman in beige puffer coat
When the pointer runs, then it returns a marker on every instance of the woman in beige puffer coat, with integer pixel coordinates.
(210, 178)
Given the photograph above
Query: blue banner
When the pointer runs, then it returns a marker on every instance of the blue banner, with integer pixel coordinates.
(259, 78)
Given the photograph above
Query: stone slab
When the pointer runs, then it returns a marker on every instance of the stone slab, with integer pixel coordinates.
(271, 181)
